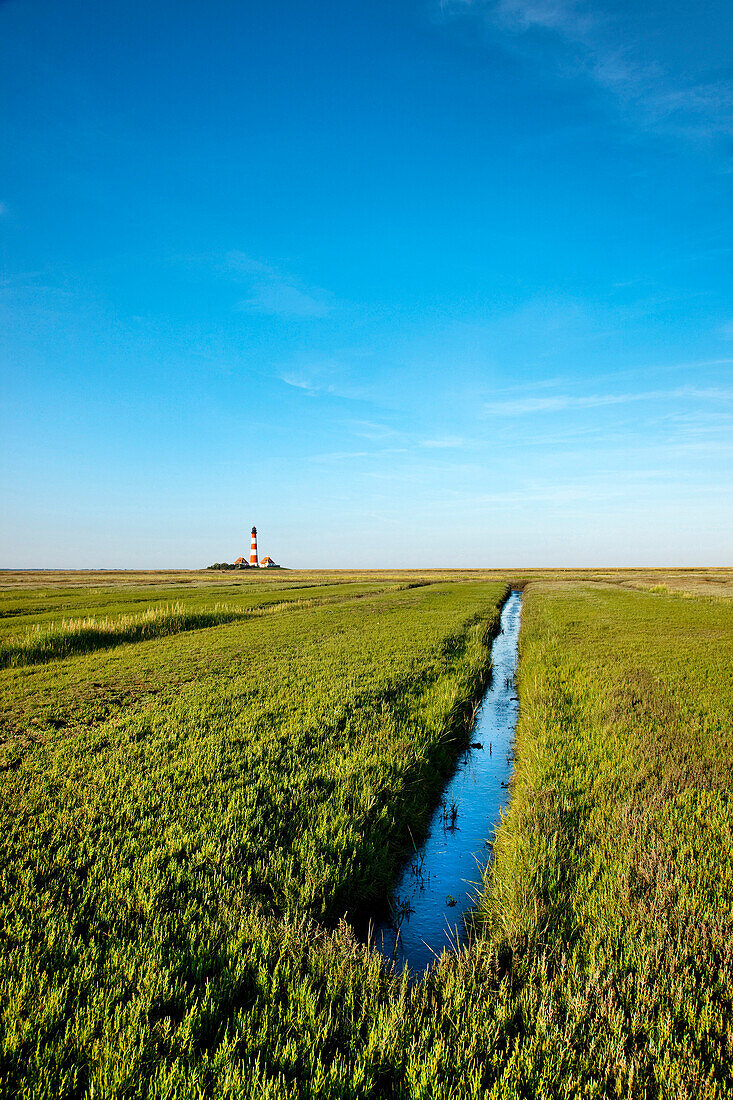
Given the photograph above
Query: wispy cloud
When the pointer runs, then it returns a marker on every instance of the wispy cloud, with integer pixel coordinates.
(315, 387)
(450, 441)
(323, 378)
(597, 489)
(339, 456)
(525, 405)
(369, 429)
(275, 293)
(616, 55)
(559, 403)
(298, 382)
(284, 300)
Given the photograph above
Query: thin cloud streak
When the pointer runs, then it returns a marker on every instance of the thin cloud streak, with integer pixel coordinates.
(338, 456)
(369, 429)
(448, 442)
(561, 402)
(275, 294)
(634, 373)
(608, 53)
(595, 490)
(314, 386)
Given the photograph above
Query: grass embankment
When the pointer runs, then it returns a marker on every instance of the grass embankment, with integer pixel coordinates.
(174, 872)
(154, 860)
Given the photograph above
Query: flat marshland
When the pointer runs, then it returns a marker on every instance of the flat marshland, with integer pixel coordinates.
(208, 781)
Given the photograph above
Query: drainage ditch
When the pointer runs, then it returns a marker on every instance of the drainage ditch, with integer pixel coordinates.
(439, 885)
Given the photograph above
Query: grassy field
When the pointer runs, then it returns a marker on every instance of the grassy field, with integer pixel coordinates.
(202, 775)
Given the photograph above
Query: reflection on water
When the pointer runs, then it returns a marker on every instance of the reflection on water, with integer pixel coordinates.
(440, 883)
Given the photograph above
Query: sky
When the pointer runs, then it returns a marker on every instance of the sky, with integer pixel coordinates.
(403, 283)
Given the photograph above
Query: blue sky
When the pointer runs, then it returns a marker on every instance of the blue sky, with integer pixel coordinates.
(403, 283)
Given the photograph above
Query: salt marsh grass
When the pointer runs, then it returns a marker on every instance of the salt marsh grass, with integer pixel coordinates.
(190, 826)
(52, 640)
(46, 642)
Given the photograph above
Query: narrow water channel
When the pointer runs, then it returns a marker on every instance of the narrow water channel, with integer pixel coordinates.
(439, 885)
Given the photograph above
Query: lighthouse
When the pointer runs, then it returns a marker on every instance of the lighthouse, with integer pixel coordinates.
(253, 559)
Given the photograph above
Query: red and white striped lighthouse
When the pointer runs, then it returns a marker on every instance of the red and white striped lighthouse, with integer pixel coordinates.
(253, 559)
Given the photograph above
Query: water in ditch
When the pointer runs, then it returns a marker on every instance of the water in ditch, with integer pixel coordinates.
(440, 883)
